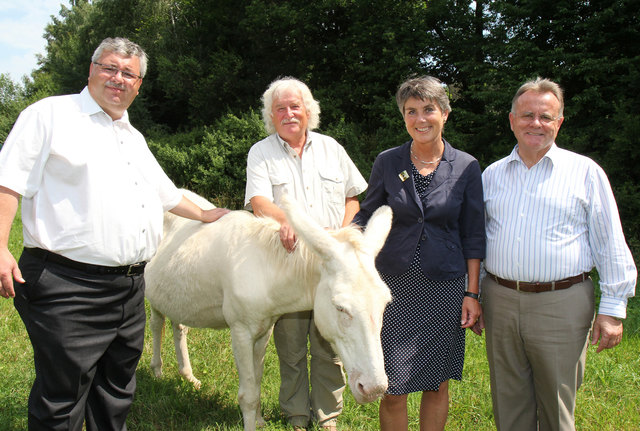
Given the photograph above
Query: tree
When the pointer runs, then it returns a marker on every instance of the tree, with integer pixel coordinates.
(11, 103)
(210, 59)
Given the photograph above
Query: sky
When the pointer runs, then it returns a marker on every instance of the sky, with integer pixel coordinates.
(22, 24)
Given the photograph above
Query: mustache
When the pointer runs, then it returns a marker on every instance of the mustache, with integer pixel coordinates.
(115, 85)
(289, 120)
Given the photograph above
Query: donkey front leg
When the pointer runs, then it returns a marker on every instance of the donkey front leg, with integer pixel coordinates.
(244, 353)
(259, 352)
(182, 353)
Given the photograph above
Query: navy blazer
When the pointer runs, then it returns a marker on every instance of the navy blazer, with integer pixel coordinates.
(450, 228)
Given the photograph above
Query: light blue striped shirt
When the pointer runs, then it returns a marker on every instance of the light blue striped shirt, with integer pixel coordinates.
(556, 220)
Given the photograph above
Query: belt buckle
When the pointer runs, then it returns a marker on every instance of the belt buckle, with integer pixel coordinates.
(131, 268)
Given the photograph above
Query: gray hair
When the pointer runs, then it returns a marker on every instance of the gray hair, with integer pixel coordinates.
(540, 85)
(423, 88)
(122, 46)
(273, 92)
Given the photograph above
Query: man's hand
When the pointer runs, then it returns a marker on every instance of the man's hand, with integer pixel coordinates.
(608, 330)
(8, 272)
(479, 325)
(8, 266)
(213, 214)
(288, 237)
(188, 209)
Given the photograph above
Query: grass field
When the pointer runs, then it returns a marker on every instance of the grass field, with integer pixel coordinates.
(609, 398)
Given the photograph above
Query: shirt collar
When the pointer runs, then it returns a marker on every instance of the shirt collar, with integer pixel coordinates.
(287, 147)
(554, 155)
(90, 107)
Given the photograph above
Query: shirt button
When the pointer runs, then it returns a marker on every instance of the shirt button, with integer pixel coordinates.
(420, 220)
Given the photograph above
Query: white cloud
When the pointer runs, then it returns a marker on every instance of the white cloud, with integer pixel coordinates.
(22, 23)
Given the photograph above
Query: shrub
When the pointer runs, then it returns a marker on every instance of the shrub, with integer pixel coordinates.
(211, 161)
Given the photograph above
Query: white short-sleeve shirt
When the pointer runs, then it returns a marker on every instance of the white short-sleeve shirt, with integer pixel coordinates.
(320, 181)
(92, 191)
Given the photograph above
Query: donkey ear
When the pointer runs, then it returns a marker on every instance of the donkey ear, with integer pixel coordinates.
(378, 228)
(314, 236)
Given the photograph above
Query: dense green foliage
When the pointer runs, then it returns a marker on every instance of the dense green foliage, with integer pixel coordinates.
(210, 61)
(211, 160)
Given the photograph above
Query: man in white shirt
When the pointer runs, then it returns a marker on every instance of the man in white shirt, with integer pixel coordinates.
(93, 198)
(551, 217)
(318, 173)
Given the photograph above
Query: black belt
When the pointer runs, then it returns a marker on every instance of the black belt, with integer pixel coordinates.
(536, 287)
(133, 269)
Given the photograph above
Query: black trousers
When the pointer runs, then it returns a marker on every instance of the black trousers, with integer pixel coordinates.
(87, 333)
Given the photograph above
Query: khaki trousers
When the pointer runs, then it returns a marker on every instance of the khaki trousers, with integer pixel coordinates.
(291, 334)
(536, 347)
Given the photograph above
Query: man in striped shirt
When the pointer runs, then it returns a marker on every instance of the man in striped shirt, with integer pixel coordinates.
(551, 217)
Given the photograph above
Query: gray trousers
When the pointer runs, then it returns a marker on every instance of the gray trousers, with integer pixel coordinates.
(87, 333)
(536, 347)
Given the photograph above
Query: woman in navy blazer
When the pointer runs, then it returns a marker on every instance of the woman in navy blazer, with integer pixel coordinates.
(437, 238)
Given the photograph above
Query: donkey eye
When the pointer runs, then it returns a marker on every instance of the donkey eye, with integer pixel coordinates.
(343, 310)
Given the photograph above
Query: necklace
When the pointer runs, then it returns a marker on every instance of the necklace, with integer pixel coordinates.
(422, 161)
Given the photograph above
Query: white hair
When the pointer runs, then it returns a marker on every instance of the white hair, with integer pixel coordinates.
(273, 92)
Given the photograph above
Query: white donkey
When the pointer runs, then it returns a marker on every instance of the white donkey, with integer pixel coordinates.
(235, 273)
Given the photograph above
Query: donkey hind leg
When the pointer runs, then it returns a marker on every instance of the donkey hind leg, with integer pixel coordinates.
(182, 353)
(245, 349)
(156, 323)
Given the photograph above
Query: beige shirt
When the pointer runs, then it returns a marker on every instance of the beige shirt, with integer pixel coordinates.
(320, 181)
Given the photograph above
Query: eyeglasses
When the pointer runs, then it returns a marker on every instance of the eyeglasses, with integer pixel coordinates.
(530, 117)
(113, 71)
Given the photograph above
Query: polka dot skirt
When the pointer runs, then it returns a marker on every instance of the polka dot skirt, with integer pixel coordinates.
(422, 341)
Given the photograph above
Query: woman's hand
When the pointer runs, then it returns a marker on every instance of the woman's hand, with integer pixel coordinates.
(472, 315)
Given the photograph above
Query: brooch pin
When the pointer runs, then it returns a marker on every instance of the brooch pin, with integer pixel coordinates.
(403, 176)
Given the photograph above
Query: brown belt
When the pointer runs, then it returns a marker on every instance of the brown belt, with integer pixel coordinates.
(536, 287)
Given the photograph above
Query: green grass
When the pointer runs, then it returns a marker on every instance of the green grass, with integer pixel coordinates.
(609, 398)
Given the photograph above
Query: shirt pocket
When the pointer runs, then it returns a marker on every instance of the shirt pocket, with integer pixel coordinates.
(332, 182)
(280, 185)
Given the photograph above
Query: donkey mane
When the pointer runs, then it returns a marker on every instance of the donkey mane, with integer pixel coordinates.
(265, 231)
